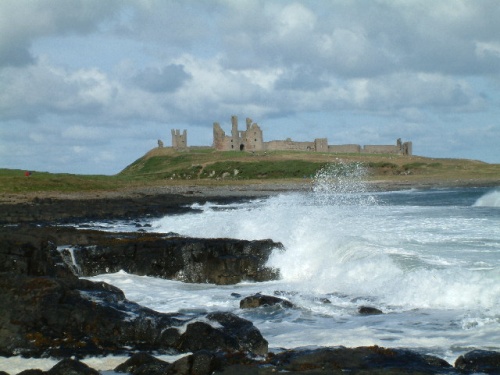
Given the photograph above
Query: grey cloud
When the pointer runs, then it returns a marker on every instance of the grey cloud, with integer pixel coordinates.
(23, 21)
(14, 53)
(166, 79)
(302, 78)
(366, 39)
(172, 24)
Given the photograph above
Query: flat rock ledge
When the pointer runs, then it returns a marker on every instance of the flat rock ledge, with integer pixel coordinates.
(59, 251)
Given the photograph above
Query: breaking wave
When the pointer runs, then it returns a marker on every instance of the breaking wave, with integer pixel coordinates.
(490, 199)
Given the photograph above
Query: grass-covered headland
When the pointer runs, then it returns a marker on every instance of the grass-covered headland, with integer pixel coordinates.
(165, 166)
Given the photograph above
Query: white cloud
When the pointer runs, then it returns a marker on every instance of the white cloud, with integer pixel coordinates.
(295, 19)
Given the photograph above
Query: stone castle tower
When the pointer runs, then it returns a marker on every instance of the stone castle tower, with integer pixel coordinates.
(179, 141)
(246, 140)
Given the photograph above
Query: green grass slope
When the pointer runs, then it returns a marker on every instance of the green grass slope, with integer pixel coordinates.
(165, 166)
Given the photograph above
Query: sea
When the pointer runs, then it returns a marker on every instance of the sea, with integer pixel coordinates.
(429, 259)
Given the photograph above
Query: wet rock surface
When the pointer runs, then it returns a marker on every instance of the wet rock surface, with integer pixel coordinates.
(258, 300)
(42, 316)
(46, 310)
(369, 310)
(34, 251)
(479, 361)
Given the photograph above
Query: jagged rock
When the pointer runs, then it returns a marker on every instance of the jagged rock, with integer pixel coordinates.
(200, 363)
(63, 317)
(143, 364)
(368, 310)
(482, 361)
(71, 367)
(27, 251)
(258, 300)
(238, 334)
(66, 317)
(248, 335)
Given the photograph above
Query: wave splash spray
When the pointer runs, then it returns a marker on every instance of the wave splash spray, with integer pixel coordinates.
(331, 242)
(491, 199)
(342, 183)
(342, 240)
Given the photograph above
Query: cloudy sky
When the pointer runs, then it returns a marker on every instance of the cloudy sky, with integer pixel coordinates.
(88, 86)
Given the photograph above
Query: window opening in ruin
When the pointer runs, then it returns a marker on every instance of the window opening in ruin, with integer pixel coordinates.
(242, 147)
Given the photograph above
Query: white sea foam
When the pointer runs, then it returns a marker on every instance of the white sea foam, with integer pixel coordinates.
(491, 199)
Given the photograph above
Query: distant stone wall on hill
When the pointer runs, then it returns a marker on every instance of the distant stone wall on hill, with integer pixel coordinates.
(251, 139)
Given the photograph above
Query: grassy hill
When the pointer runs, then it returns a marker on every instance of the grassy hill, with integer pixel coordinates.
(165, 166)
(206, 164)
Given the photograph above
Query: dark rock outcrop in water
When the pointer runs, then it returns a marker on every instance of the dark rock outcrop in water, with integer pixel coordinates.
(479, 361)
(50, 210)
(62, 317)
(258, 300)
(192, 260)
(369, 310)
(46, 310)
(33, 251)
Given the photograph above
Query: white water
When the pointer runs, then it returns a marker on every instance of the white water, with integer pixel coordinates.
(430, 260)
(491, 199)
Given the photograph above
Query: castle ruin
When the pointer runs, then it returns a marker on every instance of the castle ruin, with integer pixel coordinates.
(251, 139)
(179, 141)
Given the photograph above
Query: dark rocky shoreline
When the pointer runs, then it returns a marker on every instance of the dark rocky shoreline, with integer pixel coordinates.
(47, 310)
(68, 210)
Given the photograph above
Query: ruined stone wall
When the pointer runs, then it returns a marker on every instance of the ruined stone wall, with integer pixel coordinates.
(220, 139)
(399, 149)
(289, 145)
(408, 148)
(251, 139)
(381, 149)
(345, 149)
